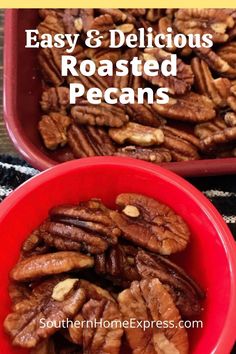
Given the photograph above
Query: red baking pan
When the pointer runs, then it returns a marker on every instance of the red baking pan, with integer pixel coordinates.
(22, 91)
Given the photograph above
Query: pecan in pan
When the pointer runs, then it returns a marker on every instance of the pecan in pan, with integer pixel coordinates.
(215, 134)
(55, 99)
(181, 145)
(137, 134)
(216, 89)
(89, 141)
(148, 300)
(155, 155)
(177, 85)
(53, 129)
(47, 264)
(23, 324)
(191, 108)
(103, 114)
(150, 224)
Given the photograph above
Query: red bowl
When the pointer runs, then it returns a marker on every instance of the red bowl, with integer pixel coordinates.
(210, 257)
(22, 92)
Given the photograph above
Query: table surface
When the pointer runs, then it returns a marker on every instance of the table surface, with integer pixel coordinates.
(6, 145)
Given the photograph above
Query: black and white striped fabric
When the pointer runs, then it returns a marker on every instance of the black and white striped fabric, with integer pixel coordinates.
(220, 190)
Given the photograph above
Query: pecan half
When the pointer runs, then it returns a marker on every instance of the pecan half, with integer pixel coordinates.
(177, 85)
(52, 25)
(50, 263)
(203, 21)
(216, 89)
(53, 129)
(182, 146)
(103, 114)
(144, 114)
(117, 264)
(148, 300)
(55, 99)
(216, 62)
(155, 155)
(186, 294)
(158, 228)
(33, 245)
(191, 108)
(86, 226)
(49, 59)
(227, 53)
(102, 339)
(89, 141)
(137, 134)
(219, 138)
(23, 324)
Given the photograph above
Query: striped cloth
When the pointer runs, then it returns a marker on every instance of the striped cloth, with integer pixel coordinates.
(220, 190)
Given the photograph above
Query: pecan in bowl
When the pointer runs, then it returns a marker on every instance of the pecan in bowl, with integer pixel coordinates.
(89, 275)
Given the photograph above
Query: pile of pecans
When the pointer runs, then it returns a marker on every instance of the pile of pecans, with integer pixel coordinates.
(87, 262)
(198, 122)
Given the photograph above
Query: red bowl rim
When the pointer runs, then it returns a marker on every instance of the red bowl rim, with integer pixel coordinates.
(40, 160)
(227, 336)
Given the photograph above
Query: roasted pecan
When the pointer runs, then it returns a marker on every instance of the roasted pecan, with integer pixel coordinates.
(148, 300)
(102, 114)
(91, 216)
(48, 59)
(50, 263)
(53, 129)
(216, 89)
(182, 146)
(177, 85)
(144, 114)
(89, 141)
(33, 245)
(216, 62)
(205, 130)
(95, 292)
(23, 324)
(155, 155)
(18, 292)
(87, 225)
(156, 227)
(203, 21)
(102, 339)
(50, 63)
(227, 53)
(190, 108)
(186, 294)
(219, 138)
(128, 80)
(52, 25)
(117, 264)
(90, 81)
(55, 99)
(137, 134)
